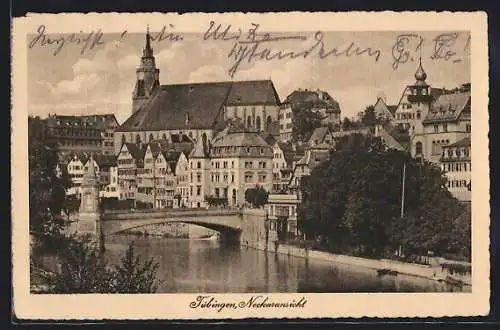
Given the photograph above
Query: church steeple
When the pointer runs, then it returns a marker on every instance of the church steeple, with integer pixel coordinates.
(148, 76)
(147, 51)
(420, 75)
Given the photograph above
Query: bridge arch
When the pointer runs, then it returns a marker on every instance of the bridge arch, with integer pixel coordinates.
(226, 222)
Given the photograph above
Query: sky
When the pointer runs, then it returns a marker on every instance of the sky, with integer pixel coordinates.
(101, 80)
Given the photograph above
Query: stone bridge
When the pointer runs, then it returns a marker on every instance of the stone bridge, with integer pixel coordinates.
(226, 221)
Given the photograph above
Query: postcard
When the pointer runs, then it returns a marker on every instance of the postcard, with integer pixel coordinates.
(230, 165)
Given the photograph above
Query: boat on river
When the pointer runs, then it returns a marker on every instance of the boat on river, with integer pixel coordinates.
(386, 271)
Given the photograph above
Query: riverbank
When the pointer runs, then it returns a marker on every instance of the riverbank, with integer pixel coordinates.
(384, 266)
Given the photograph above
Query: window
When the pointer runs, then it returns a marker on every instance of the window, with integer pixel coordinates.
(232, 164)
(198, 177)
(248, 177)
(124, 139)
(198, 165)
(418, 114)
(261, 150)
(198, 190)
(257, 123)
(151, 137)
(467, 128)
(436, 128)
(418, 148)
(445, 128)
(224, 164)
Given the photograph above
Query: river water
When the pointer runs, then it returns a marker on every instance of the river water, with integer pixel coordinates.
(196, 265)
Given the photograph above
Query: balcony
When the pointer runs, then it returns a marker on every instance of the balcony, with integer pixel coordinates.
(420, 98)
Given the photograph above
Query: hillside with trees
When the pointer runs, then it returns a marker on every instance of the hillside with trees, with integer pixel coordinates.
(352, 204)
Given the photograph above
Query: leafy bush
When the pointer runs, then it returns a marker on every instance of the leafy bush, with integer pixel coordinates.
(83, 269)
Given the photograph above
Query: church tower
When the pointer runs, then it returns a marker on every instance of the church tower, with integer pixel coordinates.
(420, 98)
(148, 76)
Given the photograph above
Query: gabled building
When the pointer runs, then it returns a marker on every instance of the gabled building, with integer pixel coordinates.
(241, 159)
(182, 181)
(321, 135)
(384, 112)
(129, 160)
(448, 121)
(456, 163)
(92, 134)
(416, 101)
(285, 117)
(285, 157)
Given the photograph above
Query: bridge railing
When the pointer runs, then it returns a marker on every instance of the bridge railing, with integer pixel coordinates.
(182, 209)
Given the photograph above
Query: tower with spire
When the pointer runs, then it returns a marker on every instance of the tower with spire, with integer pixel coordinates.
(415, 103)
(148, 76)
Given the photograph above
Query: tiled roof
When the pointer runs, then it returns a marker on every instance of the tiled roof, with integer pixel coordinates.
(318, 135)
(95, 121)
(339, 134)
(292, 152)
(243, 138)
(465, 142)
(135, 151)
(448, 107)
(199, 105)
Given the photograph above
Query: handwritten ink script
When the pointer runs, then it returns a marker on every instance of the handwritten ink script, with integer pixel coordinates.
(86, 41)
(408, 48)
(254, 46)
(260, 301)
(90, 40)
(250, 45)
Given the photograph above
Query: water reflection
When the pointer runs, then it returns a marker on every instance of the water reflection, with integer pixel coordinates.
(192, 266)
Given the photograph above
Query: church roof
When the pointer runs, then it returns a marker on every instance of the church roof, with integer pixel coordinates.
(198, 105)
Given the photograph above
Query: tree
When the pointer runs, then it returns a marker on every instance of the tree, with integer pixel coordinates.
(369, 118)
(352, 202)
(84, 270)
(304, 121)
(257, 196)
(47, 190)
(132, 276)
(348, 124)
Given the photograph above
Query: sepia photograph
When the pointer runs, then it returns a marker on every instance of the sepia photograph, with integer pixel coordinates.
(234, 158)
